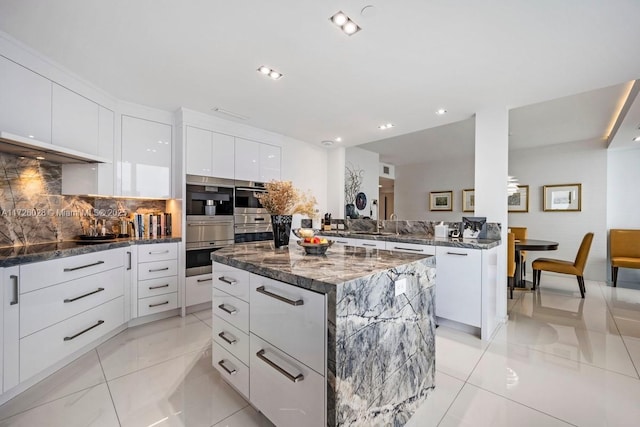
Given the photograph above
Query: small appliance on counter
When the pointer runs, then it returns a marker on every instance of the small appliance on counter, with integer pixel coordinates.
(326, 223)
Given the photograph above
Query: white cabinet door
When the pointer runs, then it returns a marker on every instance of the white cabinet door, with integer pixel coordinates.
(199, 151)
(369, 244)
(198, 289)
(74, 120)
(458, 284)
(247, 160)
(146, 158)
(25, 102)
(411, 248)
(223, 160)
(11, 327)
(269, 163)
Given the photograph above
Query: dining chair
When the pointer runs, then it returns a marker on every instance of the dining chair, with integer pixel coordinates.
(575, 268)
(511, 263)
(624, 249)
(521, 234)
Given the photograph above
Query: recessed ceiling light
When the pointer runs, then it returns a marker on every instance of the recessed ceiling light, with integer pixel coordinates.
(346, 24)
(266, 71)
(338, 139)
(327, 143)
(441, 111)
(31, 136)
(636, 139)
(386, 126)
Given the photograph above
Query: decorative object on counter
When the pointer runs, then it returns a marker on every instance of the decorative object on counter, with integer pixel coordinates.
(563, 198)
(519, 201)
(361, 201)
(301, 233)
(352, 183)
(326, 224)
(474, 227)
(441, 231)
(441, 200)
(282, 200)
(468, 200)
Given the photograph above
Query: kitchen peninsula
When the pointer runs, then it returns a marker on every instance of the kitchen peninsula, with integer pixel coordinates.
(342, 339)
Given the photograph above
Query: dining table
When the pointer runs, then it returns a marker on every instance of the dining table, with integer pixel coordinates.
(529, 245)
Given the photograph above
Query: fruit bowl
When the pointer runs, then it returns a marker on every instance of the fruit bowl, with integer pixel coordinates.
(315, 248)
(301, 233)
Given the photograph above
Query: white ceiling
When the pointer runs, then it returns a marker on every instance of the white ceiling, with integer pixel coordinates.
(411, 58)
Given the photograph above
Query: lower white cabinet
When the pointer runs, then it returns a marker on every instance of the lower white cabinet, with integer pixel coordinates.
(157, 304)
(232, 339)
(11, 327)
(459, 285)
(156, 279)
(231, 368)
(413, 248)
(198, 289)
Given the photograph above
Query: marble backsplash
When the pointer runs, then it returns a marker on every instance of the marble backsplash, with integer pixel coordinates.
(33, 210)
(426, 228)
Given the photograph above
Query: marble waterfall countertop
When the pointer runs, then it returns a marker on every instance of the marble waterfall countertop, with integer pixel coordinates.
(380, 343)
(16, 255)
(420, 239)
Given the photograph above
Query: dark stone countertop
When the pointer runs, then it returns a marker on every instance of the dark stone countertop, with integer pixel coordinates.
(319, 273)
(420, 239)
(16, 255)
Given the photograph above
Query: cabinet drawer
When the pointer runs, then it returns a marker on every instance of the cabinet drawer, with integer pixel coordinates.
(287, 403)
(300, 329)
(231, 280)
(198, 289)
(410, 248)
(157, 304)
(223, 332)
(41, 274)
(46, 347)
(157, 252)
(153, 270)
(232, 370)
(159, 286)
(44, 307)
(231, 309)
(369, 244)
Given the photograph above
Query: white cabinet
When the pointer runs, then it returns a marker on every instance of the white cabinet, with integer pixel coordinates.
(145, 167)
(255, 161)
(368, 244)
(459, 285)
(74, 120)
(25, 102)
(209, 153)
(198, 289)
(411, 248)
(156, 279)
(95, 178)
(10, 327)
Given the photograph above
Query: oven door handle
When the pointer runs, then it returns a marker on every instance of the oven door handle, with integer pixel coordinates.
(257, 190)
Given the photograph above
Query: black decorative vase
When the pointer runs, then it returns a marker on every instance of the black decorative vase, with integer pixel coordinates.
(350, 211)
(281, 229)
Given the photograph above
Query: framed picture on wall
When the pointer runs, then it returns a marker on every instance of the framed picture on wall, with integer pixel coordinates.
(441, 200)
(468, 200)
(519, 201)
(562, 198)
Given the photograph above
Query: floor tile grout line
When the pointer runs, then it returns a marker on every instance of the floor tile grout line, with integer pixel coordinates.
(113, 403)
(231, 415)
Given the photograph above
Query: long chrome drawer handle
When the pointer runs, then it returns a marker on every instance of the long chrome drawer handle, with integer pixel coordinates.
(224, 308)
(160, 303)
(66, 270)
(210, 279)
(166, 285)
(16, 291)
(342, 241)
(231, 340)
(456, 253)
(158, 252)
(100, 322)
(154, 270)
(262, 290)
(408, 249)
(368, 244)
(295, 379)
(229, 371)
(82, 296)
(227, 280)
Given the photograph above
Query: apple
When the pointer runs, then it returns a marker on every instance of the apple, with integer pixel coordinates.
(315, 240)
(308, 240)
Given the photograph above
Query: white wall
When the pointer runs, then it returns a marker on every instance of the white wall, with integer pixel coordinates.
(582, 162)
(369, 162)
(623, 198)
(413, 184)
(335, 181)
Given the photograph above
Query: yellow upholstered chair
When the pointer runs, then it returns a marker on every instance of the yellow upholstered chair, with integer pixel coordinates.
(511, 262)
(575, 268)
(624, 247)
(521, 234)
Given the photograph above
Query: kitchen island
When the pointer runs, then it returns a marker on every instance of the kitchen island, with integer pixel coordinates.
(336, 340)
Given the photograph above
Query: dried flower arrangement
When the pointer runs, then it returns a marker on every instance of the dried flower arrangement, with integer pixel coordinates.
(353, 181)
(282, 198)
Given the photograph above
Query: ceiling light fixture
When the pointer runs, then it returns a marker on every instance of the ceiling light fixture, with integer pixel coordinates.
(327, 143)
(39, 158)
(441, 111)
(266, 71)
(346, 24)
(229, 113)
(338, 139)
(386, 126)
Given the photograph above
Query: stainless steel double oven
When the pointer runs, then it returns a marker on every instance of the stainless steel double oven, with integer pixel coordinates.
(252, 221)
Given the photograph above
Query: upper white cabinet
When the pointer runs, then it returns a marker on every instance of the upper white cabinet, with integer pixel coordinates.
(25, 102)
(256, 162)
(222, 163)
(209, 153)
(145, 169)
(75, 121)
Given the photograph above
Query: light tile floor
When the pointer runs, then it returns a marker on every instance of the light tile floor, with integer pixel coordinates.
(559, 361)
